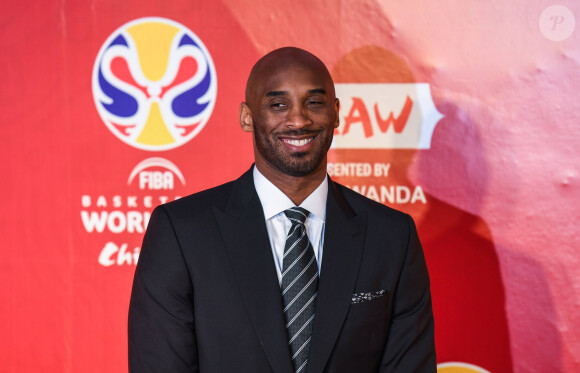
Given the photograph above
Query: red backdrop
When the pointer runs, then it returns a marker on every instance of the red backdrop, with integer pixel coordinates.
(463, 114)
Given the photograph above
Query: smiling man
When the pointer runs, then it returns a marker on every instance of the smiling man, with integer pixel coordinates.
(282, 270)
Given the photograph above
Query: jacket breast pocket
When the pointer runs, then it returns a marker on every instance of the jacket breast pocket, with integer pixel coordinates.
(366, 327)
(369, 305)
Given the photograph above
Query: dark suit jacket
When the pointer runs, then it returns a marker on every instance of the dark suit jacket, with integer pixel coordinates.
(206, 297)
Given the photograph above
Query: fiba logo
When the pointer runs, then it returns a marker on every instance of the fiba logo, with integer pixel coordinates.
(162, 178)
(154, 84)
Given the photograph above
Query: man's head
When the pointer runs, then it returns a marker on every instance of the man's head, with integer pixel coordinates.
(292, 110)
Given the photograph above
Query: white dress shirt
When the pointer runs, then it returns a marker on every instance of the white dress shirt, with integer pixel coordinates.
(274, 202)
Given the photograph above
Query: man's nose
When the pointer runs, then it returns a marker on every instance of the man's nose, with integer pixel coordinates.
(298, 117)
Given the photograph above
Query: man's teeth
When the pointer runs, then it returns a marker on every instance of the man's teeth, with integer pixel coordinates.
(298, 142)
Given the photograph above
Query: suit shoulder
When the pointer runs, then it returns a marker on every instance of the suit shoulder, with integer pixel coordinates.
(200, 202)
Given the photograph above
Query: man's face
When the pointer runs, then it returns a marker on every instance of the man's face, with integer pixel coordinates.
(294, 115)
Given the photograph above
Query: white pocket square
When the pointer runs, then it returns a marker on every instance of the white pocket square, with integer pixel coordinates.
(364, 297)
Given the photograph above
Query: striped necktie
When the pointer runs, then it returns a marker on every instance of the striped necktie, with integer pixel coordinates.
(299, 287)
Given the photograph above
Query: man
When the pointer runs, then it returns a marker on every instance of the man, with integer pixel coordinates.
(282, 270)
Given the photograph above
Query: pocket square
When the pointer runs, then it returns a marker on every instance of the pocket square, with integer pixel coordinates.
(364, 297)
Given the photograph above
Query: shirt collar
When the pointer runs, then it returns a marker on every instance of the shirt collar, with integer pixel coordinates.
(274, 201)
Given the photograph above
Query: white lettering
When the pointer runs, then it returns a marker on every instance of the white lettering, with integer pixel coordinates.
(391, 194)
(155, 180)
(403, 194)
(117, 201)
(382, 169)
(115, 221)
(94, 221)
(132, 201)
(387, 194)
(107, 255)
(372, 193)
(108, 251)
(101, 201)
(123, 256)
(349, 169)
(418, 195)
(134, 222)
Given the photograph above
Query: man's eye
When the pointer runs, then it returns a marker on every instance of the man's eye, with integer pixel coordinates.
(277, 105)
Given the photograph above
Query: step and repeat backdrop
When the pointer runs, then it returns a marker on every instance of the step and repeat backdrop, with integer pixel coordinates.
(463, 114)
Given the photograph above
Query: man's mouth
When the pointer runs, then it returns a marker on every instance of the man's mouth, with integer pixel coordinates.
(299, 142)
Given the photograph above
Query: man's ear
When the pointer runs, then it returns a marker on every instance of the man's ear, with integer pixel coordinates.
(337, 112)
(246, 118)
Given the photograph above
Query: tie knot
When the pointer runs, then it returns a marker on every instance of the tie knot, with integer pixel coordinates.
(297, 215)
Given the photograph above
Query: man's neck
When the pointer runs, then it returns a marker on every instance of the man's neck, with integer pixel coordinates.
(297, 188)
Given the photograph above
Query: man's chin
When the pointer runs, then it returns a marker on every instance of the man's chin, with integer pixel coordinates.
(300, 169)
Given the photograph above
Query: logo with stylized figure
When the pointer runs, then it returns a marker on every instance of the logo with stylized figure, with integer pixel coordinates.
(154, 84)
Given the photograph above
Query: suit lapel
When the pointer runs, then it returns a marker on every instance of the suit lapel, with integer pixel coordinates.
(343, 246)
(244, 231)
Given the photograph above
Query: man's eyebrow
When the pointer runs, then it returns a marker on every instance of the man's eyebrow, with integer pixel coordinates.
(321, 91)
(276, 93)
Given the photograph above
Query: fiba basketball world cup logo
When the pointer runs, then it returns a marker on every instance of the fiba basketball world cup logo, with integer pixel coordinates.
(154, 84)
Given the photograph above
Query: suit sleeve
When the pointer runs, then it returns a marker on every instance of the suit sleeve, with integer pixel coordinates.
(411, 345)
(161, 323)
